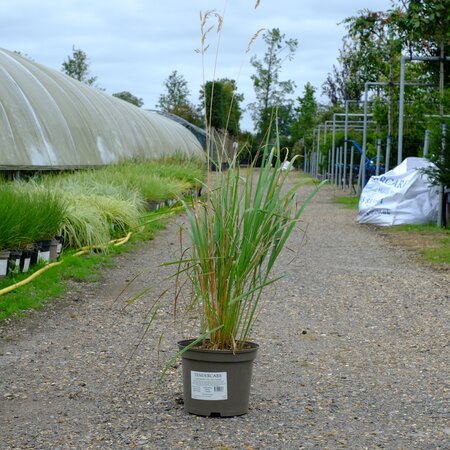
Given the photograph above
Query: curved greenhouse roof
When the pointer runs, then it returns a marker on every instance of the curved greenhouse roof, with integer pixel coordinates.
(51, 121)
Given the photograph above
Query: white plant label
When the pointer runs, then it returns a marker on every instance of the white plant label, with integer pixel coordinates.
(44, 256)
(209, 385)
(3, 266)
(26, 265)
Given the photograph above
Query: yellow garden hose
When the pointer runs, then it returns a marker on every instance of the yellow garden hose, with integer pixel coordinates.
(82, 251)
(119, 242)
(30, 278)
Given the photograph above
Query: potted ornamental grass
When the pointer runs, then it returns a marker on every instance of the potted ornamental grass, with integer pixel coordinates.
(237, 231)
(30, 216)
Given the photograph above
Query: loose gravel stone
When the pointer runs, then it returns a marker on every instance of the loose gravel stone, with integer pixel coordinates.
(353, 354)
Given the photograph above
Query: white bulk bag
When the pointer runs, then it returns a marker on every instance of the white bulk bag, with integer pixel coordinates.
(403, 195)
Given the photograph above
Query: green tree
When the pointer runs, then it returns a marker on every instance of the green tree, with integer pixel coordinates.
(414, 27)
(425, 25)
(222, 104)
(233, 101)
(303, 125)
(377, 41)
(130, 98)
(176, 99)
(271, 93)
(77, 66)
(426, 29)
(215, 105)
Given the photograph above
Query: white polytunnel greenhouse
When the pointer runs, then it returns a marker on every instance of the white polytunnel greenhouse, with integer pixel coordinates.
(49, 120)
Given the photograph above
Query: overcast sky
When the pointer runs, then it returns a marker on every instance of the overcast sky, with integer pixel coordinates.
(133, 45)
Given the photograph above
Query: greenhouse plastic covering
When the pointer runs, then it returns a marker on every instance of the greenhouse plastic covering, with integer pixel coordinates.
(51, 121)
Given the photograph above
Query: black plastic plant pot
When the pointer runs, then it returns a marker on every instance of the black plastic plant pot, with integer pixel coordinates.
(217, 382)
(34, 255)
(14, 260)
(25, 260)
(44, 250)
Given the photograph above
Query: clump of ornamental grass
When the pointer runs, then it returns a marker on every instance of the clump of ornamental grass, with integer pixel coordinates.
(237, 233)
(93, 220)
(190, 171)
(121, 216)
(29, 213)
(152, 183)
(101, 182)
(98, 210)
(83, 225)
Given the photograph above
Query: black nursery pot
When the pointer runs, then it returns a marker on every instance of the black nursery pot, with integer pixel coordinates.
(25, 260)
(44, 250)
(34, 254)
(14, 260)
(217, 382)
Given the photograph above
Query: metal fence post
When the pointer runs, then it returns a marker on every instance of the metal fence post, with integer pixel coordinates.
(377, 169)
(388, 153)
(426, 143)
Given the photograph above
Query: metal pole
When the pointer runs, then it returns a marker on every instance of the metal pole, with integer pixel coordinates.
(313, 154)
(313, 164)
(401, 110)
(440, 218)
(319, 161)
(361, 164)
(350, 175)
(338, 166)
(426, 143)
(345, 142)
(363, 156)
(318, 147)
(305, 162)
(388, 153)
(377, 170)
(333, 150)
(401, 107)
(355, 114)
(329, 164)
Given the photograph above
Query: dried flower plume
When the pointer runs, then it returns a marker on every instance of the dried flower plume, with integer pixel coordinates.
(253, 39)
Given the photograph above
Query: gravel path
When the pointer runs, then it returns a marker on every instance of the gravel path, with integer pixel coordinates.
(353, 354)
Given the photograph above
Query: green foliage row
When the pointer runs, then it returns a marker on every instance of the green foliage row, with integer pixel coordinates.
(89, 208)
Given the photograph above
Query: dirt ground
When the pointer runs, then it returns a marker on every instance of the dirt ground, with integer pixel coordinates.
(353, 353)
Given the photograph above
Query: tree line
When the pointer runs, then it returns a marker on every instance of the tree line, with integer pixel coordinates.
(371, 52)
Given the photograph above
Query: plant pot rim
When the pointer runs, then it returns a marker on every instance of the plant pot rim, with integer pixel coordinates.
(250, 347)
